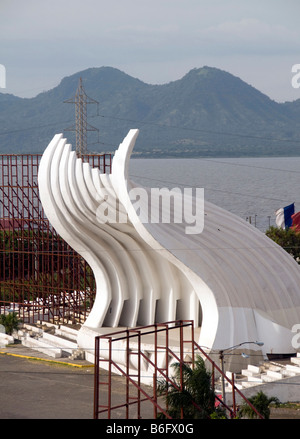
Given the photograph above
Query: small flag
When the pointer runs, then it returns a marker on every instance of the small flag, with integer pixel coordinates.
(284, 216)
(296, 222)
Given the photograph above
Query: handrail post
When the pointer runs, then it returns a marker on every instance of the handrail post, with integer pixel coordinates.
(127, 374)
(181, 363)
(233, 394)
(139, 374)
(154, 396)
(155, 372)
(193, 338)
(109, 377)
(96, 378)
(213, 377)
(221, 357)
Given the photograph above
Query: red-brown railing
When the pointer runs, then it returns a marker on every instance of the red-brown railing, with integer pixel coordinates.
(114, 352)
(41, 277)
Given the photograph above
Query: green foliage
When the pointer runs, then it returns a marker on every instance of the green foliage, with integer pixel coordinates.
(219, 413)
(33, 258)
(196, 388)
(288, 239)
(262, 404)
(10, 322)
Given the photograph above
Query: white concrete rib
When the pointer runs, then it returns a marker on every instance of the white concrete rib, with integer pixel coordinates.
(246, 287)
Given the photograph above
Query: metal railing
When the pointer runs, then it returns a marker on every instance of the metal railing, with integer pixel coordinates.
(41, 276)
(142, 355)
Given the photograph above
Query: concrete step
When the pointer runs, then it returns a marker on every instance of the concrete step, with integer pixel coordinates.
(67, 332)
(31, 329)
(255, 379)
(267, 378)
(247, 384)
(249, 373)
(267, 365)
(268, 372)
(254, 369)
(6, 339)
(238, 385)
(42, 346)
(44, 338)
(65, 345)
(295, 360)
(288, 373)
(275, 375)
(293, 368)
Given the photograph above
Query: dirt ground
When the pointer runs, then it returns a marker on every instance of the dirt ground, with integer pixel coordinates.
(286, 413)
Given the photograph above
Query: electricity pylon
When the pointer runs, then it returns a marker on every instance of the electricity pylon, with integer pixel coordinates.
(81, 125)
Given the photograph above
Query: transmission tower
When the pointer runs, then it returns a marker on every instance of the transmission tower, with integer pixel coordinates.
(81, 100)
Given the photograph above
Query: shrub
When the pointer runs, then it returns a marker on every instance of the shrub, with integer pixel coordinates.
(195, 388)
(262, 404)
(10, 322)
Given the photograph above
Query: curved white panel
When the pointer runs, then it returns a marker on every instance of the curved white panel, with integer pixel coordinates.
(245, 286)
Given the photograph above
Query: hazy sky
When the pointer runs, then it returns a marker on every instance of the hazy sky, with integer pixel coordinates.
(157, 41)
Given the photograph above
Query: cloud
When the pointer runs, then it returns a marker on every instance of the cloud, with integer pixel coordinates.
(251, 34)
(157, 41)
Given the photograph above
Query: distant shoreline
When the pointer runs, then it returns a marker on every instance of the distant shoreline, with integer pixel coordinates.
(138, 155)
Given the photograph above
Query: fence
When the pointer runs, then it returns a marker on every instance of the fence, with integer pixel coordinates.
(142, 355)
(41, 276)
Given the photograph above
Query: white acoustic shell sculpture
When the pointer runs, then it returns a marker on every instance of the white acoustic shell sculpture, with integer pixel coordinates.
(233, 281)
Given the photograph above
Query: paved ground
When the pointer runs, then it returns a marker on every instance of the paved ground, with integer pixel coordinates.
(44, 390)
(32, 386)
(48, 389)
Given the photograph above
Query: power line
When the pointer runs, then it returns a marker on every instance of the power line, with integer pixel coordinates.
(31, 128)
(248, 166)
(200, 130)
(81, 100)
(207, 189)
(143, 122)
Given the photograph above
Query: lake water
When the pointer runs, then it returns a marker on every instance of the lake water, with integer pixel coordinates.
(248, 187)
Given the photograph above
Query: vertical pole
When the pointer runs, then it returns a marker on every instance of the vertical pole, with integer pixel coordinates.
(127, 375)
(181, 363)
(139, 375)
(221, 357)
(96, 378)
(213, 376)
(109, 390)
(155, 373)
(193, 338)
(154, 397)
(167, 358)
(233, 394)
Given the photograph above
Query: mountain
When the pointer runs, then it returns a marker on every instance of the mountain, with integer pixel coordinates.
(208, 112)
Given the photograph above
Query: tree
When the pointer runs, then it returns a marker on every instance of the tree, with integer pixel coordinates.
(10, 322)
(193, 396)
(262, 404)
(289, 239)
